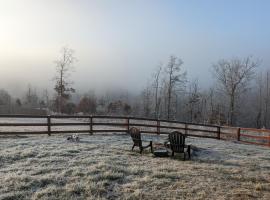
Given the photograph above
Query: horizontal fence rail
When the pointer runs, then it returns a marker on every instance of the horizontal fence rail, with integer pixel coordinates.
(96, 124)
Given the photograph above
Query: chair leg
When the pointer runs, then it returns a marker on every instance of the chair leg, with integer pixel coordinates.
(151, 145)
(172, 153)
(141, 149)
(184, 156)
(189, 152)
(132, 147)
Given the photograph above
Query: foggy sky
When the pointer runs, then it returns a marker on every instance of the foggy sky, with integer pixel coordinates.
(119, 43)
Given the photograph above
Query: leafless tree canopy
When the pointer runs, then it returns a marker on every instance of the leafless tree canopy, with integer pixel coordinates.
(156, 86)
(233, 77)
(64, 67)
(176, 79)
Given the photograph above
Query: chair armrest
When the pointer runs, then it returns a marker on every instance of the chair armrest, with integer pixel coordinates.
(147, 141)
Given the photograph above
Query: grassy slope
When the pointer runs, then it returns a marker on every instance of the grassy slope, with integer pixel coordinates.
(103, 167)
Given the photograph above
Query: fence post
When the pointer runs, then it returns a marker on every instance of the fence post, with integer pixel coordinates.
(269, 139)
(158, 127)
(91, 125)
(49, 124)
(186, 128)
(218, 132)
(238, 134)
(127, 124)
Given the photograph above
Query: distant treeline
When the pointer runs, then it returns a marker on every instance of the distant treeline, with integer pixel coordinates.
(239, 97)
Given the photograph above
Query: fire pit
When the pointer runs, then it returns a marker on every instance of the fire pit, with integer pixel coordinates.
(161, 153)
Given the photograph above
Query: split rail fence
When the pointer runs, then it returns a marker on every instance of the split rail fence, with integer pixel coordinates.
(117, 124)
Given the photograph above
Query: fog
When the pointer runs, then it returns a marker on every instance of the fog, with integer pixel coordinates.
(118, 44)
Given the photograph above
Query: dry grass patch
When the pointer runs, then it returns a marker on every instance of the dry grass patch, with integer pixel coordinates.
(103, 167)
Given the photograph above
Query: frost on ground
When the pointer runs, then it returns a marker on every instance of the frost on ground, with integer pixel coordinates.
(103, 167)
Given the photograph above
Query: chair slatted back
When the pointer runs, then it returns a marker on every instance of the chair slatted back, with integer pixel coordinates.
(177, 141)
(136, 136)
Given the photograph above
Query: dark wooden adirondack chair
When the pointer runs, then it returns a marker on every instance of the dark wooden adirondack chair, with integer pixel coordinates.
(137, 141)
(177, 144)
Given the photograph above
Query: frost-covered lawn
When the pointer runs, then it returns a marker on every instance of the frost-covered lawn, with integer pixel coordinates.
(103, 167)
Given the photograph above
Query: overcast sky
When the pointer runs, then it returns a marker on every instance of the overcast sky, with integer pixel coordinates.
(119, 43)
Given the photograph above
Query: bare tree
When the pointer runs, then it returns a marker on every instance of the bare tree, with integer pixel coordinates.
(31, 97)
(259, 113)
(211, 97)
(5, 97)
(233, 76)
(203, 107)
(262, 99)
(146, 101)
(88, 104)
(156, 86)
(63, 68)
(194, 98)
(46, 98)
(175, 78)
(266, 101)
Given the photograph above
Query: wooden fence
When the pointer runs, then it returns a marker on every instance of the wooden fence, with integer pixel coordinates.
(254, 136)
(116, 124)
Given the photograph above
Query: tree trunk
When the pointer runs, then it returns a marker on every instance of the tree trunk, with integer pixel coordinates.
(169, 104)
(156, 101)
(232, 99)
(169, 95)
(61, 92)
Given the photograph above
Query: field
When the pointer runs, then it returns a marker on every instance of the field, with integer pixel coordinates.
(103, 167)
